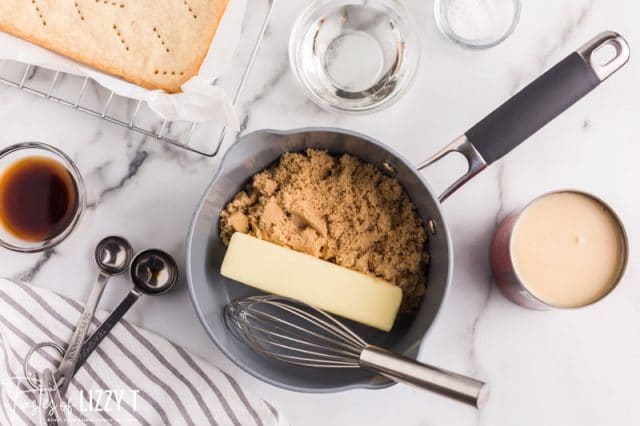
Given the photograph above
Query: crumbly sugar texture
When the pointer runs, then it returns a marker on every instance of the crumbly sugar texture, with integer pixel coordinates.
(339, 209)
(157, 44)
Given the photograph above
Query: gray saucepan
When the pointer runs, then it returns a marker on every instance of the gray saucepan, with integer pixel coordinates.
(486, 142)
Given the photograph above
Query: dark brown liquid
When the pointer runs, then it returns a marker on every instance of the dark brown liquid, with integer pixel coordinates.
(38, 198)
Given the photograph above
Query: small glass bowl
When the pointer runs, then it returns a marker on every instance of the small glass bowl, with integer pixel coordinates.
(354, 56)
(496, 21)
(8, 157)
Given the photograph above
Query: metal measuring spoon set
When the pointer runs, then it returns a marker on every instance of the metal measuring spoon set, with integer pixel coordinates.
(152, 272)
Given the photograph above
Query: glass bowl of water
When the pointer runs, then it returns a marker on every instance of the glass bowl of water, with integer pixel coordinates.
(354, 56)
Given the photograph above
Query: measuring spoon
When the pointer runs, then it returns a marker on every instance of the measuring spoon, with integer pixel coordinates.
(112, 255)
(52, 408)
(152, 272)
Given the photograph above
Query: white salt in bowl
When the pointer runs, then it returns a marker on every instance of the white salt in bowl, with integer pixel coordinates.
(477, 24)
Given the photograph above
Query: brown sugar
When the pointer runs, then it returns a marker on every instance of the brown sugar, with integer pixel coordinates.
(339, 209)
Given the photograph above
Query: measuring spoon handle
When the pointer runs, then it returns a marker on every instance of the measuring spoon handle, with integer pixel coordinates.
(68, 364)
(53, 410)
(101, 332)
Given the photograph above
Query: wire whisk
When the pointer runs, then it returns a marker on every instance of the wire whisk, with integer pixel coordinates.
(299, 334)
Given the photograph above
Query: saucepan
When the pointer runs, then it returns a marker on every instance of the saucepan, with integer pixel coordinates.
(483, 144)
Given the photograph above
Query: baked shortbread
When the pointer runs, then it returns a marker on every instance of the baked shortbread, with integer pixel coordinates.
(157, 44)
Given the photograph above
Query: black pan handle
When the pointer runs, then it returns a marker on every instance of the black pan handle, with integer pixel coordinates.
(534, 106)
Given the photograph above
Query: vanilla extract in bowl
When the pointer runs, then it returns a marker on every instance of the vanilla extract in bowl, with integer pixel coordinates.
(41, 197)
(38, 198)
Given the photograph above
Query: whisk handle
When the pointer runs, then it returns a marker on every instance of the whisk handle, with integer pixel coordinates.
(406, 370)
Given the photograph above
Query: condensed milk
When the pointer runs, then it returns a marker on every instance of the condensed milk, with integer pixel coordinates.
(565, 249)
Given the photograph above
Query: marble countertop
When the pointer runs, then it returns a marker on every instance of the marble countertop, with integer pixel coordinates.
(545, 368)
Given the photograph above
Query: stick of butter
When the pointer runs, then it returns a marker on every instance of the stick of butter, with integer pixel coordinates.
(324, 285)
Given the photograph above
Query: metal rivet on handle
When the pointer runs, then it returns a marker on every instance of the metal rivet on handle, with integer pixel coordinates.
(431, 226)
(389, 168)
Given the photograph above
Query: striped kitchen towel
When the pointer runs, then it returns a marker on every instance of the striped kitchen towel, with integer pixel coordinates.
(134, 377)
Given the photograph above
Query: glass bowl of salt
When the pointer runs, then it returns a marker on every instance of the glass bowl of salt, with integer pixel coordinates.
(477, 24)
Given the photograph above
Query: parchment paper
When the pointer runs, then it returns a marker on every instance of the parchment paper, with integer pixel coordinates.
(199, 100)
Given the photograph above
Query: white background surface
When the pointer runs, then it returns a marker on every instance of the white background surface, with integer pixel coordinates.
(545, 368)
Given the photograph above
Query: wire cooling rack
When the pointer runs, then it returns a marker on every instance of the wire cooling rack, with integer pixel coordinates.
(85, 95)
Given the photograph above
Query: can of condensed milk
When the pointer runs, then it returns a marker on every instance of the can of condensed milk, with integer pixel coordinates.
(565, 249)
